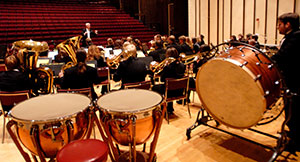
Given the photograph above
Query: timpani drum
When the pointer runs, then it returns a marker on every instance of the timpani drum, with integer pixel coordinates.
(49, 122)
(123, 109)
(238, 86)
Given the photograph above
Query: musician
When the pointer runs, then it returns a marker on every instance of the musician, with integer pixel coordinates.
(159, 53)
(110, 43)
(287, 60)
(185, 48)
(13, 79)
(131, 70)
(174, 70)
(87, 34)
(81, 75)
(94, 53)
(172, 43)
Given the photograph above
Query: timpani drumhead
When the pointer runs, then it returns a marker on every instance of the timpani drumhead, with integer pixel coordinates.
(129, 100)
(229, 92)
(50, 107)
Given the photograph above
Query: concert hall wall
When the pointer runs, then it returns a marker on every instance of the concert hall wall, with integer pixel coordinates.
(218, 19)
(154, 13)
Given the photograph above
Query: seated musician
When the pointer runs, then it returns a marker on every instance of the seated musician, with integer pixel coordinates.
(185, 48)
(131, 70)
(81, 75)
(159, 53)
(174, 70)
(172, 43)
(197, 64)
(13, 79)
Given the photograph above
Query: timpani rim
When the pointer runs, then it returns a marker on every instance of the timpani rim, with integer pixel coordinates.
(116, 112)
(54, 120)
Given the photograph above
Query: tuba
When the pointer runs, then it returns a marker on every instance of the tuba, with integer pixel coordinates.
(156, 67)
(28, 51)
(70, 46)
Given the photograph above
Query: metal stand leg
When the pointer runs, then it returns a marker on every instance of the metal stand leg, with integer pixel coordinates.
(281, 139)
(16, 141)
(201, 119)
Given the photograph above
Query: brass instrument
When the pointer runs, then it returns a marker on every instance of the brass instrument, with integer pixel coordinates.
(43, 80)
(28, 52)
(156, 67)
(188, 59)
(70, 46)
(113, 62)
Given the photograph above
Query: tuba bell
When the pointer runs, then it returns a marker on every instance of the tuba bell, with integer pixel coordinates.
(28, 51)
(70, 46)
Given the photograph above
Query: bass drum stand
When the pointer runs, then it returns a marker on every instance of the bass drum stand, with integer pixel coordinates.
(203, 118)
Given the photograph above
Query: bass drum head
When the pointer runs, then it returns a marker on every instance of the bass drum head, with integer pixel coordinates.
(230, 93)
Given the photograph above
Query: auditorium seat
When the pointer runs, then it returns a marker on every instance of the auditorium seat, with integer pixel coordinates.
(56, 20)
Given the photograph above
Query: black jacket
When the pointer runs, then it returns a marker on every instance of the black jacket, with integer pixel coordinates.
(287, 59)
(14, 81)
(92, 34)
(130, 71)
(158, 54)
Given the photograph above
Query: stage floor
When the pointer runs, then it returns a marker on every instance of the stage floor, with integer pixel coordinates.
(206, 144)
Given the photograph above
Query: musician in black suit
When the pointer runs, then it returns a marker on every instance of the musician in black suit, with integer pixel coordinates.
(172, 43)
(159, 53)
(87, 34)
(185, 48)
(131, 70)
(13, 79)
(287, 60)
(81, 75)
(174, 70)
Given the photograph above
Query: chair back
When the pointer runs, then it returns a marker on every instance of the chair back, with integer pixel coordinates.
(84, 91)
(138, 85)
(10, 99)
(103, 72)
(177, 84)
(2, 67)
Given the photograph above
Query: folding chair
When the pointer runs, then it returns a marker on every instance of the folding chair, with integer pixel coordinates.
(180, 86)
(104, 72)
(8, 100)
(138, 85)
(84, 91)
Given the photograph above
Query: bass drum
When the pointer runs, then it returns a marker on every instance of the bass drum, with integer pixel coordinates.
(46, 123)
(239, 86)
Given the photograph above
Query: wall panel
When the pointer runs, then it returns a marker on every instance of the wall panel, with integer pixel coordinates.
(260, 19)
(213, 21)
(204, 19)
(271, 22)
(193, 18)
(237, 17)
(228, 17)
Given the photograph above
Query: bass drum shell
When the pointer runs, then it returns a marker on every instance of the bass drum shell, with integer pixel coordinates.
(50, 115)
(238, 86)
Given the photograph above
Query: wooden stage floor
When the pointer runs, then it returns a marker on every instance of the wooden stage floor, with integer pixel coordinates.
(205, 145)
